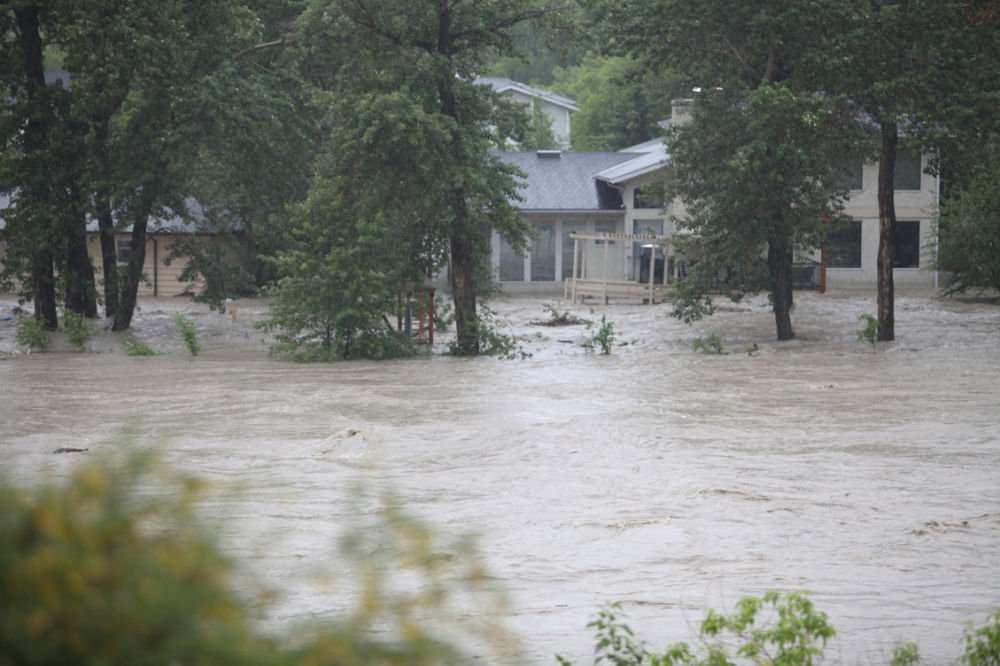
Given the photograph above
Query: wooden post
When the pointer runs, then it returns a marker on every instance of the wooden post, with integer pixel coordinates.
(604, 282)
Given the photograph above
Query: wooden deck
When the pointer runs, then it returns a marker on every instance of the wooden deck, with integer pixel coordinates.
(604, 288)
(614, 289)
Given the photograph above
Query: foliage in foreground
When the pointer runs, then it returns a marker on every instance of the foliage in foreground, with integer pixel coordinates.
(773, 630)
(99, 570)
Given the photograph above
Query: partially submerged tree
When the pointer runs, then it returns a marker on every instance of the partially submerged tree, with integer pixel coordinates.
(412, 132)
(340, 274)
(754, 173)
(913, 69)
(755, 164)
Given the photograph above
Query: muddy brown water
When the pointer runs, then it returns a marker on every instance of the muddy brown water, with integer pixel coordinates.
(667, 480)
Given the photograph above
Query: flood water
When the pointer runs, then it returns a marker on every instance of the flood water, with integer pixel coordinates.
(664, 479)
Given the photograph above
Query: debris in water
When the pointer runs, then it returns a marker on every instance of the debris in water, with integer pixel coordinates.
(556, 319)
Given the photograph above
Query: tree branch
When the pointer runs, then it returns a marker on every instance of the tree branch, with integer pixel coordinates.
(261, 47)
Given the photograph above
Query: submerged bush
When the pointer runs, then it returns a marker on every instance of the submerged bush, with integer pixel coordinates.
(31, 333)
(79, 331)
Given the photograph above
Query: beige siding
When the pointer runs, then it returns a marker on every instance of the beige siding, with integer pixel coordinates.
(162, 278)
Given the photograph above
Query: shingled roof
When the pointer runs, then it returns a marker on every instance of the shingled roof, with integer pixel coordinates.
(566, 181)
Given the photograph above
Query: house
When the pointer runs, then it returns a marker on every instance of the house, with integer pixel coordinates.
(609, 193)
(559, 109)
(161, 234)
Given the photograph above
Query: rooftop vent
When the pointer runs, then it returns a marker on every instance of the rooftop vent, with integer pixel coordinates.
(549, 153)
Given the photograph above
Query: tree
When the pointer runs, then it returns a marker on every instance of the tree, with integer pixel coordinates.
(32, 174)
(411, 133)
(339, 275)
(969, 234)
(913, 68)
(620, 104)
(760, 188)
(753, 170)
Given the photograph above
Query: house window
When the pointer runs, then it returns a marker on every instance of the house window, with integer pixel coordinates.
(850, 175)
(568, 244)
(648, 196)
(906, 175)
(124, 251)
(844, 244)
(606, 227)
(543, 252)
(639, 269)
(511, 264)
(906, 244)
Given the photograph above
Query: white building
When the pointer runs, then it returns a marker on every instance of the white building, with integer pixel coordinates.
(559, 109)
(604, 192)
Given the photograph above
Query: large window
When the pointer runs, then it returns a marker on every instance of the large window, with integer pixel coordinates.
(850, 175)
(640, 254)
(543, 252)
(906, 244)
(511, 265)
(906, 175)
(844, 249)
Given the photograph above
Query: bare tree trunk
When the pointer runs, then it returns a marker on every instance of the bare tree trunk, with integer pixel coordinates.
(109, 252)
(779, 262)
(36, 132)
(80, 294)
(130, 288)
(886, 222)
(463, 291)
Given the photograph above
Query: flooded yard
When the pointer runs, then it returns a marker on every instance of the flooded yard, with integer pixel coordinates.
(667, 480)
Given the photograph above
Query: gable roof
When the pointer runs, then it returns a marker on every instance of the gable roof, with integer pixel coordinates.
(647, 158)
(503, 85)
(157, 225)
(566, 181)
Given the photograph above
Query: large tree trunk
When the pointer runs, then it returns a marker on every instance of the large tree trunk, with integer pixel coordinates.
(36, 139)
(463, 291)
(779, 262)
(130, 288)
(109, 252)
(886, 222)
(80, 294)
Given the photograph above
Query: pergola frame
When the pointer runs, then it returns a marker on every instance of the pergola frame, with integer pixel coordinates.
(581, 286)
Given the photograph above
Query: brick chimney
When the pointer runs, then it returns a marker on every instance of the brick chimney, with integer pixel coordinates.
(680, 111)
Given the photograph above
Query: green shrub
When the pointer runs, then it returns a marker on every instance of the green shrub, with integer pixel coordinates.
(86, 578)
(492, 342)
(31, 333)
(188, 332)
(99, 570)
(710, 345)
(870, 332)
(603, 338)
(793, 635)
(79, 331)
(134, 348)
(982, 645)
